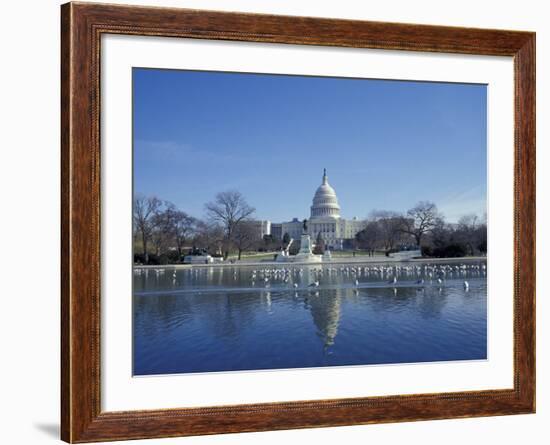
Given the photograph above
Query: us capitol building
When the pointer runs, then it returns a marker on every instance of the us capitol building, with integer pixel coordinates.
(324, 219)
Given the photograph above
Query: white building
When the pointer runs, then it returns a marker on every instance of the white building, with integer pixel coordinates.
(261, 227)
(277, 230)
(324, 219)
(293, 228)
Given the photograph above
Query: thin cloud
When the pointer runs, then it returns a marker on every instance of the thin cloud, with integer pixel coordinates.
(179, 152)
(464, 202)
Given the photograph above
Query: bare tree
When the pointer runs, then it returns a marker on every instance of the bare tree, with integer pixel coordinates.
(369, 237)
(179, 226)
(468, 221)
(420, 220)
(160, 238)
(145, 211)
(442, 234)
(482, 239)
(482, 235)
(389, 224)
(467, 231)
(245, 236)
(208, 236)
(161, 235)
(229, 209)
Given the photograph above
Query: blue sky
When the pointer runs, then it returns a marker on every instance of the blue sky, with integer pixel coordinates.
(385, 144)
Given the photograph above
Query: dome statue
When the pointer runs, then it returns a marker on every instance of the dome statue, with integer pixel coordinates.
(325, 201)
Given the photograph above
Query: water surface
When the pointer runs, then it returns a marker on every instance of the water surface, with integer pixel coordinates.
(229, 318)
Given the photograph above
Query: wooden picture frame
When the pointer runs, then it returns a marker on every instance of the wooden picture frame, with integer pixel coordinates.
(82, 25)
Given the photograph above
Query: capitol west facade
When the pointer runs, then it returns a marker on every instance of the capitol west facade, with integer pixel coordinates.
(324, 219)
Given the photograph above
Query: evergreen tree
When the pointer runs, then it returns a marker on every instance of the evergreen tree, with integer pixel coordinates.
(319, 245)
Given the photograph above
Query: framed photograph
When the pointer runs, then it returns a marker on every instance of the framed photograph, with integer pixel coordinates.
(274, 222)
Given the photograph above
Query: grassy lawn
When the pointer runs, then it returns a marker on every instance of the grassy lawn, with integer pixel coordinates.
(268, 256)
(256, 256)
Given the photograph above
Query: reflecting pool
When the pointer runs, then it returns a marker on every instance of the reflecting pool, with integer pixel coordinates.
(228, 318)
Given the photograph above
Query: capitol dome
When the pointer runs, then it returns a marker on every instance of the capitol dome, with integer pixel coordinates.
(325, 201)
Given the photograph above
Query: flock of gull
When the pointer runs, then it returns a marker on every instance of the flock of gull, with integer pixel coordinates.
(420, 275)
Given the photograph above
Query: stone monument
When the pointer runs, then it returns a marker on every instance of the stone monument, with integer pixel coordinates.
(306, 252)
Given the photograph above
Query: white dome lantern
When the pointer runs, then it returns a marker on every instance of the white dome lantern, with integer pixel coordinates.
(325, 201)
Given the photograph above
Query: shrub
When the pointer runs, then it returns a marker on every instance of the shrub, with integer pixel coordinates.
(426, 251)
(173, 256)
(154, 259)
(450, 251)
(139, 258)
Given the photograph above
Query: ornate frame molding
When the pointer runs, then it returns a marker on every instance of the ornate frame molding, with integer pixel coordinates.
(82, 25)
